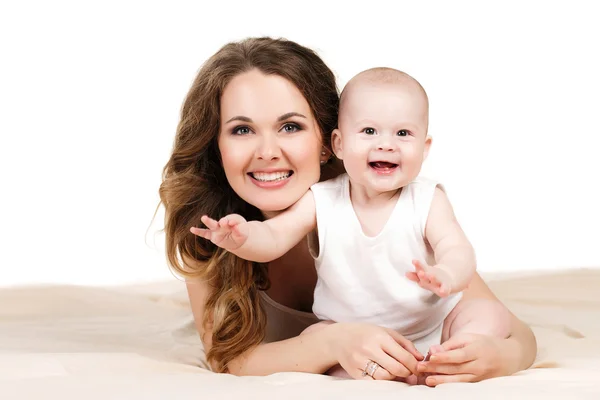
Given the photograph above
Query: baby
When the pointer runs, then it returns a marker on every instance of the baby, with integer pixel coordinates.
(387, 247)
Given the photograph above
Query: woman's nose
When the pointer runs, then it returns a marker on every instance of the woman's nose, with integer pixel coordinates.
(268, 148)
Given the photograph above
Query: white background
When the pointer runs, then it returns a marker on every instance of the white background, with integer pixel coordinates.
(90, 94)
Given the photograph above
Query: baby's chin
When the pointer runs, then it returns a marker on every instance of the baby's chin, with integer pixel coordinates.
(384, 188)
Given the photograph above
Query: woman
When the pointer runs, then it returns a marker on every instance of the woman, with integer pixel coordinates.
(253, 137)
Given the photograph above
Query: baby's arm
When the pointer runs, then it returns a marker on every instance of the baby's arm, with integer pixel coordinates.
(262, 241)
(454, 255)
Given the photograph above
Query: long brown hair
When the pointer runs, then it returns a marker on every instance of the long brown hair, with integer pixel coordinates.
(194, 184)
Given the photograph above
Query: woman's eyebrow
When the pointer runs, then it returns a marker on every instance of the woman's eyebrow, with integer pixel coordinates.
(239, 118)
(281, 118)
(290, 114)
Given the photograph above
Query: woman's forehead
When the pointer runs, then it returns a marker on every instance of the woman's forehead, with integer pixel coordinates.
(256, 95)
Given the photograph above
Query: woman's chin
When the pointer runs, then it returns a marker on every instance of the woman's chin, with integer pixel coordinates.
(271, 204)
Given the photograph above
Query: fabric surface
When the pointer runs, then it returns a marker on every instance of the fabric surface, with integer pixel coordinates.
(139, 342)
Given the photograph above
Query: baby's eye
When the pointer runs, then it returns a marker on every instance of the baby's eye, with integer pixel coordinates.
(369, 131)
(403, 132)
(241, 130)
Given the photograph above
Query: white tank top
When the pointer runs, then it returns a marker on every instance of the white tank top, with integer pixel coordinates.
(362, 278)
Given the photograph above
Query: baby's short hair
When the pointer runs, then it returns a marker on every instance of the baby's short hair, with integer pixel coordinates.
(382, 75)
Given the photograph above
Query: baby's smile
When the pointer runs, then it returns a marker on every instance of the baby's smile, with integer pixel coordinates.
(383, 167)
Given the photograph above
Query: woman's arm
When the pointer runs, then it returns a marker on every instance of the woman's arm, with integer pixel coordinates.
(316, 351)
(305, 353)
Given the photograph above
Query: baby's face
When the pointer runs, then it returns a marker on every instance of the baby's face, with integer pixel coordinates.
(382, 136)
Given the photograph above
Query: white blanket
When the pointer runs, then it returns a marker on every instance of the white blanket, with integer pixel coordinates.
(139, 342)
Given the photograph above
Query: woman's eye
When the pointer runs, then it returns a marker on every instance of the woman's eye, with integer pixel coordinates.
(291, 128)
(403, 132)
(241, 130)
(369, 131)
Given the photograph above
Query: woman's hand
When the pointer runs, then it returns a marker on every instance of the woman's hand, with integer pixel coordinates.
(471, 358)
(355, 345)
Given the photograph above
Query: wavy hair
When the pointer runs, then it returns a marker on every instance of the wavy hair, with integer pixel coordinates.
(194, 184)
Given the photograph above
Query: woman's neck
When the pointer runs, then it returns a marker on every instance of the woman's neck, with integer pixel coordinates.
(271, 214)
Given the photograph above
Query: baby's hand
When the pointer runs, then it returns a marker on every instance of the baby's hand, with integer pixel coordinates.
(229, 232)
(432, 278)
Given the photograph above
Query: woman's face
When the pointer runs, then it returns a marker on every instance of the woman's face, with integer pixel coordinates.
(269, 141)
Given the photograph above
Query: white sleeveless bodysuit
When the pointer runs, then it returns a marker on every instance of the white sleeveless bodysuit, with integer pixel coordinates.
(362, 278)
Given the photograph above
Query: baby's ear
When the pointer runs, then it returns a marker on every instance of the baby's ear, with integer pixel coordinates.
(427, 147)
(336, 143)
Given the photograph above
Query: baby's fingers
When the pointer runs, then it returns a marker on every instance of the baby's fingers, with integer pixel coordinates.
(444, 290)
(224, 222)
(412, 276)
(235, 219)
(432, 277)
(209, 222)
(419, 265)
(424, 280)
(240, 232)
(204, 233)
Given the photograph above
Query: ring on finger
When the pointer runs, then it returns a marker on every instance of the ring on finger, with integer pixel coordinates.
(370, 369)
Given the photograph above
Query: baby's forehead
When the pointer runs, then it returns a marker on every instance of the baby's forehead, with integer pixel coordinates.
(389, 79)
(377, 93)
(365, 87)
(364, 92)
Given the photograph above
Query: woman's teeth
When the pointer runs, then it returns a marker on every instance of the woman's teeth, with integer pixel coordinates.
(270, 176)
